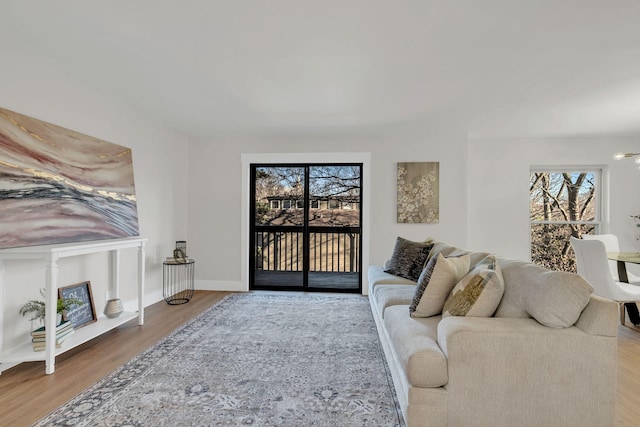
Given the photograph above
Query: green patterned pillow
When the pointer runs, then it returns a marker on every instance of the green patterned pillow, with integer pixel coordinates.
(478, 293)
(408, 258)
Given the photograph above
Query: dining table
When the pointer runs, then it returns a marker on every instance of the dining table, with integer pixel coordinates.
(621, 259)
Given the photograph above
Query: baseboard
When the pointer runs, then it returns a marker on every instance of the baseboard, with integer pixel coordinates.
(5, 366)
(220, 285)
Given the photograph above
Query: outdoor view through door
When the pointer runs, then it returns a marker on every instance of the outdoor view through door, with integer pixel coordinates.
(306, 228)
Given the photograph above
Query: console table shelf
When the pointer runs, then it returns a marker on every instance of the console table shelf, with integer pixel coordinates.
(51, 254)
(25, 352)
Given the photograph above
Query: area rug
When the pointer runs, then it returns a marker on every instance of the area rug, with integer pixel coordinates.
(264, 359)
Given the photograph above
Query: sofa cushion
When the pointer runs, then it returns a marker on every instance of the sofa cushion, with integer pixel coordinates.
(388, 295)
(416, 347)
(478, 293)
(436, 281)
(408, 258)
(554, 298)
(376, 276)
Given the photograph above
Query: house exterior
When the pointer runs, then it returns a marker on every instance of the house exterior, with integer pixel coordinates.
(316, 202)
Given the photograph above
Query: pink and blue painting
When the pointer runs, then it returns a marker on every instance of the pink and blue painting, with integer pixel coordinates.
(60, 186)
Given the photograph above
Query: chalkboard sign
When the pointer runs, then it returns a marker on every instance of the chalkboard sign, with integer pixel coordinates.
(85, 314)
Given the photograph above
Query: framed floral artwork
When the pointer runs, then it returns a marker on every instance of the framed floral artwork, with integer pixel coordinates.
(418, 192)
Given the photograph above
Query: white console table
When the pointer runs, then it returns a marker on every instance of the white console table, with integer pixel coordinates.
(51, 254)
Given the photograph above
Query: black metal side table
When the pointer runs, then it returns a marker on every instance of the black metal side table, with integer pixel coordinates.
(177, 286)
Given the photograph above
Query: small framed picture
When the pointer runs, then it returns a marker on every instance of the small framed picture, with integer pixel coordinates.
(79, 315)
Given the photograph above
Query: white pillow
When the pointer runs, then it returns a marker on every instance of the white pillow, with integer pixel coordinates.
(435, 284)
(478, 293)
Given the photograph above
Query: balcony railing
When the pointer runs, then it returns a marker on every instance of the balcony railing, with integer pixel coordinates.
(331, 249)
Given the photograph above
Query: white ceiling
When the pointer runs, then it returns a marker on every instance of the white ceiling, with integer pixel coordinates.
(211, 67)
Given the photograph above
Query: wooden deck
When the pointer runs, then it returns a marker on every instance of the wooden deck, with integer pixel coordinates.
(329, 281)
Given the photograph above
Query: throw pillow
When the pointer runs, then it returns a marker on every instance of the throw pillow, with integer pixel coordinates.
(434, 284)
(478, 293)
(554, 298)
(408, 258)
(422, 283)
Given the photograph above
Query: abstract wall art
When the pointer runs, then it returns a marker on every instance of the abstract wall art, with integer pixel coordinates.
(60, 186)
(418, 192)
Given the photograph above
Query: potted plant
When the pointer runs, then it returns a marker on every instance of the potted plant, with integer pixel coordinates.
(37, 308)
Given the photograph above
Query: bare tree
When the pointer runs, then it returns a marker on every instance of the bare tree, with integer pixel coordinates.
(559, 203)
(286, 184)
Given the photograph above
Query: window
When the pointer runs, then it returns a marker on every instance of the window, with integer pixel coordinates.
(275, 204)
(300, 204)
(563, 202)
(286, 204)
(315, 204)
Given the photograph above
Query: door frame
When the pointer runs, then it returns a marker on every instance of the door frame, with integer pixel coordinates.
(266, 158)
(306, 229)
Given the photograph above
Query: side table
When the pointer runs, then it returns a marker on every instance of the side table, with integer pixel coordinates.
(177, 286)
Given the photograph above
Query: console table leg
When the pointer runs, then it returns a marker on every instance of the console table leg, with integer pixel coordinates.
(51, 304)
(141, 277)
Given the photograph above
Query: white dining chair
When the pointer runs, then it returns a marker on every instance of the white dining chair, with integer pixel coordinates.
(611, 244)
(591, 263)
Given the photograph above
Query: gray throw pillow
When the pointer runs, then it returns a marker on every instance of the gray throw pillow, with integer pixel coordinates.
(423, 281)
(408, 258)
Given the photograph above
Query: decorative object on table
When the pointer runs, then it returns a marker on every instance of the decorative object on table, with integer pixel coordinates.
(85, 313)
(177, 281)
(63, 331)
(60, 186)
(113, 308)
(36, 308)
(316, 378)
(181, 245)
(418, 192)
(180, 252)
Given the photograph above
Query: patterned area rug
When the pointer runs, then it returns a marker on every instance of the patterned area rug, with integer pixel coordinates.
(260, 359)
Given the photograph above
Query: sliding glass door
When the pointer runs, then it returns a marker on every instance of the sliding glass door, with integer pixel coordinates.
(306, 228)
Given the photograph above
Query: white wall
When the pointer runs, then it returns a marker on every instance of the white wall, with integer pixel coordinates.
(215, 176)
(498, 180)
(30, 87)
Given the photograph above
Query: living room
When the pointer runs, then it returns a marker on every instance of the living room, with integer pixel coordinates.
(486, 92)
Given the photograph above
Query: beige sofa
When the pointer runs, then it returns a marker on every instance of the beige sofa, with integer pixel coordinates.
(543, 358)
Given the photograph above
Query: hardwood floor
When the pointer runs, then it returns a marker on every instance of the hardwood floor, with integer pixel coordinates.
(628, 393)
(27, 394)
